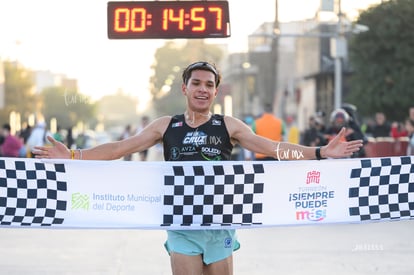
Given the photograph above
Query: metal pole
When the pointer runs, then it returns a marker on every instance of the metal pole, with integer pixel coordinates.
(338, 61)
(275, 38)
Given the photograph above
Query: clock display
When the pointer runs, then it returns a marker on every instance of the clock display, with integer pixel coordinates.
(168, 19)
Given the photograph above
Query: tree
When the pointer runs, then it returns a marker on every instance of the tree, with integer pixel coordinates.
(18, 92)
(171, 59)
(118, 110)
(383, 60)
(68, 107)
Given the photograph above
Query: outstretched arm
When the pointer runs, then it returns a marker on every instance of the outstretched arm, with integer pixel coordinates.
(334, 149)
(288, 151)
(148, 137)
(339, 149)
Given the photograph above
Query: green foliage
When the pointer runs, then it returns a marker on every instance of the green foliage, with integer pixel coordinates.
(171, 59)
(18, 96)
(383, 60)
(68, 107)
(118, 110)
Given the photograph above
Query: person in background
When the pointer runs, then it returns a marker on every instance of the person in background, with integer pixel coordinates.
(381, 127)
(126, 134)
(69, 138)
(143, 155)
(355, 128)
(411, 114)
(25, 132)
(409, 126)
(398, 130)
(58, 135)
(11, 145)
(239, 152)
(292, 135)
(37, 137)
(314, 134)
(199, 135)
(268, 126)
(339, 119)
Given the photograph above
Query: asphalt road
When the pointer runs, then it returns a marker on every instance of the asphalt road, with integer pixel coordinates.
(374, 248)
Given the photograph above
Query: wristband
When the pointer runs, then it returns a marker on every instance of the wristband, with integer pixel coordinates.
(318, 153)
(72, 154)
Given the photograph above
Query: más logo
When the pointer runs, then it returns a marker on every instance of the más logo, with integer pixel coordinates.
(311, 215)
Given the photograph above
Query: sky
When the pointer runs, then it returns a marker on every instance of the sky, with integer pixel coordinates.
(69, 37)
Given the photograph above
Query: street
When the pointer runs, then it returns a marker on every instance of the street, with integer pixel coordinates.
(374, 248)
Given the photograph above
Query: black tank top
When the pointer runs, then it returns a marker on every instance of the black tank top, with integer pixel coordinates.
(209, 141)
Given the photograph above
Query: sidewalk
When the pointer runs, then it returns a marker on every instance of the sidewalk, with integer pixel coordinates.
(357, 249)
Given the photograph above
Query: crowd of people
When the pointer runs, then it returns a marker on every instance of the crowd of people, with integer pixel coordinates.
(22, 143)
(322, 128)
(317, 133)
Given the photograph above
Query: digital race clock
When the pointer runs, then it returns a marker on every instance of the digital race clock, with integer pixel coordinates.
(168, 19)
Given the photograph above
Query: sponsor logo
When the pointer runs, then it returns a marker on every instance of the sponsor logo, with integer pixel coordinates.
(228, 243)
(214, 140)
(80, 201)
(174, 153)
(313, 177)
(216, 122)
(196, 138)
(311, 201)
(209, 153)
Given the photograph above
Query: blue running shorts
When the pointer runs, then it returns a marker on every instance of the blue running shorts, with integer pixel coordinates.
(213, 245)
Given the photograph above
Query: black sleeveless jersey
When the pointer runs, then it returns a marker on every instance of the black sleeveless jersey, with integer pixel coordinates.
(209, 141)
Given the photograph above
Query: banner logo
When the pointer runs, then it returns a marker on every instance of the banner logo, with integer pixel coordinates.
(313, 177)
(80, 201)
(311, 201)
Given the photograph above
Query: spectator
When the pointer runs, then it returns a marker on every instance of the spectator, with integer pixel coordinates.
(313, 135)
(268, 126)
(398, 130)
(409, 126)
(58, 135)
(143, 155)
(339, 119)
(37, 137)
(355, 129)
(126, 134)
(69, 138)
(11, 145)
(25, 132)
(381, 127)
(292, 134)
(411, 113)
(239, 152)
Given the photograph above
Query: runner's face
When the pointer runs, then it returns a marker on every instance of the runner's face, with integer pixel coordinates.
(200, 91)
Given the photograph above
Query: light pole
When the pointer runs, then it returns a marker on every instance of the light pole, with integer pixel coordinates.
(338, 51)
(275, 57)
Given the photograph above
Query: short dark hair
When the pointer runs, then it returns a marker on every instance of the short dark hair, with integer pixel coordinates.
(7, 127)
(268, 108)
(201, 65)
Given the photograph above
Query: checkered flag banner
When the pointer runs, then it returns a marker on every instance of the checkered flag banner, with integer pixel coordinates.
(214, 195)
(203, 194)
(32, 193)
(383, 189)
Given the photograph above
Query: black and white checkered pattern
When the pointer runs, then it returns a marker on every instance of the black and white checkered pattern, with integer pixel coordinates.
(383, 188)
(32, 193)
(214, 195)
